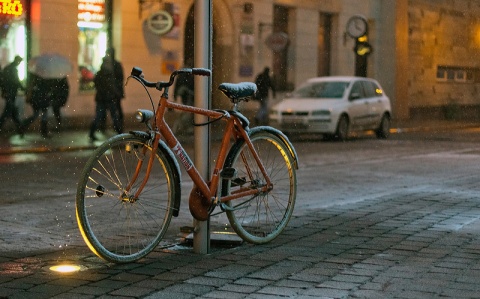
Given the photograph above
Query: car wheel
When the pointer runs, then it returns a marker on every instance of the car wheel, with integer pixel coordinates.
(342, 128)
(383, 130)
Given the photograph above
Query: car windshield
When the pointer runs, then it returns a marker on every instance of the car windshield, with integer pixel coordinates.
(329, 89)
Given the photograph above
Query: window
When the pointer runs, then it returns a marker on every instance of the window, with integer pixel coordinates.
(92, 39)
(456, 74)
(372, 89)
(13, 35)
(331, 90)
(369, 89)
(357, 91)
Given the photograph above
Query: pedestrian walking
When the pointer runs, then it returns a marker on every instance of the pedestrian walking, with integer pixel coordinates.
(106, 99)
(119, 84)
(59, 90)
(10, 86)
(264, 84)
(38, 96)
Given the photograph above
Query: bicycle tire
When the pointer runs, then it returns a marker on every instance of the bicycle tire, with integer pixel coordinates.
(115, 227)
(261, 218)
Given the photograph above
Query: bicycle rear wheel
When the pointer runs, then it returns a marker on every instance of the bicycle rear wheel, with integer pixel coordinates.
(261, 218)
(116, 226)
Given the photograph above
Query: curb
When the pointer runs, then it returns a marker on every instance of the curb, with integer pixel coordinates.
(419, 127)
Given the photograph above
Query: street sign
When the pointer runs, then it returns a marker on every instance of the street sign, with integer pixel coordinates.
(160, 22)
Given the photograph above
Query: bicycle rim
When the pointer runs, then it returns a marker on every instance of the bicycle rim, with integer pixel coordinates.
(261, 218)
(116, 226)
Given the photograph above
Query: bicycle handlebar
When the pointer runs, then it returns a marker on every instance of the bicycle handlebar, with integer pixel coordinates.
(137, 74)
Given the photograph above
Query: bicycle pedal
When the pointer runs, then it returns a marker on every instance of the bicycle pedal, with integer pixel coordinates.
(228, 173)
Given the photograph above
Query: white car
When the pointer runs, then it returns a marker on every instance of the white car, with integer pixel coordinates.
(333, 107)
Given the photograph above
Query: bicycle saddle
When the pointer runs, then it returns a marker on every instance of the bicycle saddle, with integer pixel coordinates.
(238, 91)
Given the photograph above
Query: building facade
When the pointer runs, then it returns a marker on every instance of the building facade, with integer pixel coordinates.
(422, 51)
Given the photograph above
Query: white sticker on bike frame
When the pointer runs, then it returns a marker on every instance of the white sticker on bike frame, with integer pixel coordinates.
(182, 155)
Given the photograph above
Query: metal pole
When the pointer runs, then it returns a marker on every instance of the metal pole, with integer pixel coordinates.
(203, 59)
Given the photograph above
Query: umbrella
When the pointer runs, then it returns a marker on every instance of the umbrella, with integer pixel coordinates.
(50, 66)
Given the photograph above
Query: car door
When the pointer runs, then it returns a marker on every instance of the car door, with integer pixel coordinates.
(358, 105)
(375, 105)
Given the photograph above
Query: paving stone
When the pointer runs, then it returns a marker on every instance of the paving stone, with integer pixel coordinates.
(239, 288)
(224, 294)
(169, 294)
(326, 293)
(208, 281)
(187, 288)
(341, 285)
(351, 278)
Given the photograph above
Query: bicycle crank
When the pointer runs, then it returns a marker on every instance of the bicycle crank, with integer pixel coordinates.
(200, 206)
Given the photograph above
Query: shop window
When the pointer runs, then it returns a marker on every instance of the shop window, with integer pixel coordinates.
(92, 39)
(13, 34)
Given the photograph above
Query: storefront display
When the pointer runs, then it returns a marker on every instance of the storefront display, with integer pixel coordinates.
(13, 33)
(92, 38)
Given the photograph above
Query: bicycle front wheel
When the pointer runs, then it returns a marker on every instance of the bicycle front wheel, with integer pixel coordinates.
(261, 218)
(116, 225)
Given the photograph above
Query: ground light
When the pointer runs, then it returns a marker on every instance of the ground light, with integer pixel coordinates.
(65, 268)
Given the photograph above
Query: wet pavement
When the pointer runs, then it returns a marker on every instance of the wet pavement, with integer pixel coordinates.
(411, 243)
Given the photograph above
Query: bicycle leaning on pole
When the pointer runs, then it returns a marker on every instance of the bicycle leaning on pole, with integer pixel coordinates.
(130, 187)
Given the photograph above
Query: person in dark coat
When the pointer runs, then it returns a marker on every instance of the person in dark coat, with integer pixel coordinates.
(38, 97)
(119, 84)
(264, 83)
(59, 91)
(106, 99)
(10, 86)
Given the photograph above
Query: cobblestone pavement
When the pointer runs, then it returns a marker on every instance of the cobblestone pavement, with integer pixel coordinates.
(417, 245)
(411, 243)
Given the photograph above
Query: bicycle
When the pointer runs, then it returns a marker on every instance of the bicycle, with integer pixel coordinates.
(130, 187)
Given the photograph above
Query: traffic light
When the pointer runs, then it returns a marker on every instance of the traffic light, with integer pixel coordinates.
(362, 47)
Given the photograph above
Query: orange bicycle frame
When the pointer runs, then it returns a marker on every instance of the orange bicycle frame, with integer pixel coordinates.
(232, 129)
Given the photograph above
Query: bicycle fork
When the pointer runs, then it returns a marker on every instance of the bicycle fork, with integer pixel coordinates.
(134, 198)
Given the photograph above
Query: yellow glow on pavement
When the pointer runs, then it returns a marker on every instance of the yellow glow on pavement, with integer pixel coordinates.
(65, 268)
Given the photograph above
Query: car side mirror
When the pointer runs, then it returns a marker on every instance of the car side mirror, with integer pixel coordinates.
(354, 96)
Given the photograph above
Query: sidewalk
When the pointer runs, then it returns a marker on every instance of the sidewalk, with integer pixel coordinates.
(412, 246)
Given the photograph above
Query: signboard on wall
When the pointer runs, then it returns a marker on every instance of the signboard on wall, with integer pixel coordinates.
(11, 8)
(91, 10)
(160, 22)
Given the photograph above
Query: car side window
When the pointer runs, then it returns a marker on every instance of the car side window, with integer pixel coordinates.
(357, 91)
(369, 88)
(378, 89)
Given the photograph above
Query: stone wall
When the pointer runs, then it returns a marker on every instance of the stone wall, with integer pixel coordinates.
(443, 33)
